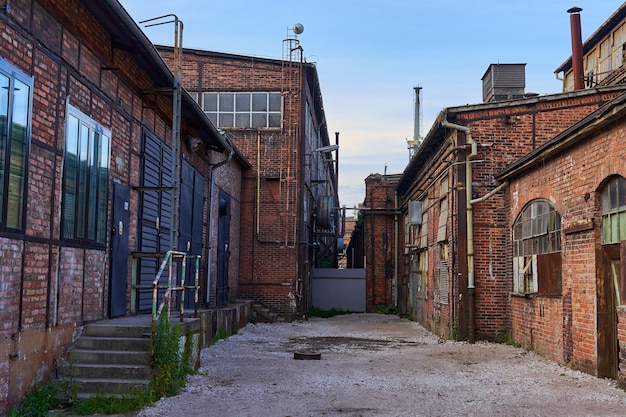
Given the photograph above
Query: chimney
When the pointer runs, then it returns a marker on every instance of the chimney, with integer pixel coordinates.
(577, 48)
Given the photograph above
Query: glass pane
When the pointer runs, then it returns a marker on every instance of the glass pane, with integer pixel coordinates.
(103, 178)
(213, 118)
(622, 226)
(275, 102)
(621, 192)
(259, 102)
(70, 186)
(83, 173)
(614, 227)
(274, 120)
(4, 115)
(259, 120)
(226, 120)
(19, 149)
(606, 229)
(209, 102)
(226, 102)
(92, 207)
(242, 102)
(242, 120)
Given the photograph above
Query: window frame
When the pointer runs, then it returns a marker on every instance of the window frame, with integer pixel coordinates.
(240, 109)
(537, 244)
(613, 212)
(82, 178)
(7, 172)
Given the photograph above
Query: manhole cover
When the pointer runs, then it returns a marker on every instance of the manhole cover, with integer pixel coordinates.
(306, 355)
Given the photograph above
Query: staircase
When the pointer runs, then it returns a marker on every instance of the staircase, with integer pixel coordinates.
(109, 358)
(261, 314)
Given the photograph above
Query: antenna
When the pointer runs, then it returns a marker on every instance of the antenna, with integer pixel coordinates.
(298, 28)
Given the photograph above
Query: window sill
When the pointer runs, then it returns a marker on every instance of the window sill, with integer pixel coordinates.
(536, 295)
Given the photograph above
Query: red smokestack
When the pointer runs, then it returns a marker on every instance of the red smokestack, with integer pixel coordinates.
(577, 48)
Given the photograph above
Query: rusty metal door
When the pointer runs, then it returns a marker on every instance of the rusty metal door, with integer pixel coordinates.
(608, 265)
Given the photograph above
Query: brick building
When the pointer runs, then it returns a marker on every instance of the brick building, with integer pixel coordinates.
(87, 177)
(566, 205)
(273, 110)
(454, 278)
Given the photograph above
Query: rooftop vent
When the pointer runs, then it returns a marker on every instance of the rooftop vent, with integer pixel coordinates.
(504, 82)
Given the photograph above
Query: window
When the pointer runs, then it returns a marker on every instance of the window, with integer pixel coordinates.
(422, 230)
(614, 211)
(85, 182)
(243, 110)
(15, 117)
(442, 229)
(537, 249)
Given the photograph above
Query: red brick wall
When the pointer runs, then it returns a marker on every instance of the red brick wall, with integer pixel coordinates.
(380, 288)
(504, 132)
(270, 203)
(55, 284)
(564, 328)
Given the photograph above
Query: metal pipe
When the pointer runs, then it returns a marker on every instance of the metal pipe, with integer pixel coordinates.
(470, 221)
(490, 193)
(577, 48)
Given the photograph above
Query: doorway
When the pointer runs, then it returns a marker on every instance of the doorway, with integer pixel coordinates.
(119, 251)
(607, 282)
(223, 249)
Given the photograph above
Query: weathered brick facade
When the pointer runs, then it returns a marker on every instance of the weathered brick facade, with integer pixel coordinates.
(281, 192)
(503, 132)
(571, 172)
(50, 285)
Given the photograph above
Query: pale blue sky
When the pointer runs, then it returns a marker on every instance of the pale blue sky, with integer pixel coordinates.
(370, 54)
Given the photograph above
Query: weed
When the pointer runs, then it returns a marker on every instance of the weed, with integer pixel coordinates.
(38, 403)
(505, 337)
(168, 367)
(220, 334)
(102, 404)
(386, 309)
(318, 312)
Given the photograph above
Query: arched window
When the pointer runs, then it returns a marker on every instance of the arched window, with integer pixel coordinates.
(614, 211)
(537, 249)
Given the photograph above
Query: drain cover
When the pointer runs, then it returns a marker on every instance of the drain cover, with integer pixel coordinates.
(307, 355)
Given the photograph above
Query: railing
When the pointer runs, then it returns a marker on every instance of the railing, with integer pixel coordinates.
(172, 285)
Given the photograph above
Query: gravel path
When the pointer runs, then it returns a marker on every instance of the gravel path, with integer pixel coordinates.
(376, 365)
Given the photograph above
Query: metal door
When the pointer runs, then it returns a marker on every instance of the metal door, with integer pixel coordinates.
(608, 269)
(223, 249)
(119, 251)
(191, 222)
(155, 208)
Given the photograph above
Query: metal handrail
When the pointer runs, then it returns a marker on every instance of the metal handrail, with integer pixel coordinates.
(167, 263)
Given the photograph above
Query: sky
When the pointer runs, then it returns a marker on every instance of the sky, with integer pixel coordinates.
(371, 54)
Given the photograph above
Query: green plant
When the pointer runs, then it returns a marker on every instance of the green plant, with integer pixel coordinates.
(220, 334)
(505, 337)
(38, 403)
(385, 309)
(102, 404)
(169, 368)
(318, 312)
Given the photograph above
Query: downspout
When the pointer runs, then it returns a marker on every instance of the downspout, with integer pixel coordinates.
(470, 222)
(395, 249)
(231, 152)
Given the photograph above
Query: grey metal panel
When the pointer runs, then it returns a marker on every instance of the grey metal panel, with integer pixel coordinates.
(342, 289)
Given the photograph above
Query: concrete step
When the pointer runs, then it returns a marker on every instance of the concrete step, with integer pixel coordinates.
(109, 387)
(112, 330)
(114, 343)
(90, 356)
(67, 370)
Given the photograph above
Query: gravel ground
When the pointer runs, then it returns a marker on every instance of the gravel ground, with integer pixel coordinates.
(376, 365)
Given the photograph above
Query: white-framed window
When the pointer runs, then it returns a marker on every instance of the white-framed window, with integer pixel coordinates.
(614, 211)
(243, 109)
(85, 178)
(537, 249)
(442, 228)
(15, 125)
(422, 229)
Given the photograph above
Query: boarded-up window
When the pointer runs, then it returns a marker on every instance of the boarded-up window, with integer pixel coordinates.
(537, 249)
(443, 282)
(422, 233)
(619, 39)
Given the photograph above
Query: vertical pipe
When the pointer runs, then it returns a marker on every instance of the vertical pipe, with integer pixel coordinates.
(577, 48)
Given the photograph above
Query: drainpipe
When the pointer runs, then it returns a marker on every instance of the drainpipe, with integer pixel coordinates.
(470, 222)
(577, 48)
(231, 152)
(395, 249)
